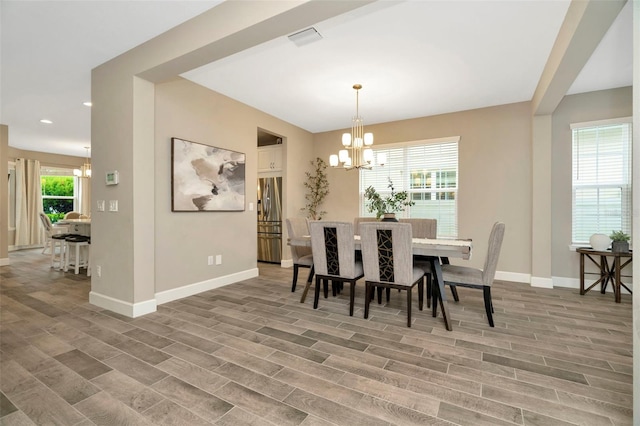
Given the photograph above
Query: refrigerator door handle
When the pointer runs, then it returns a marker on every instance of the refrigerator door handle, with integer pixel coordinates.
(267, 200)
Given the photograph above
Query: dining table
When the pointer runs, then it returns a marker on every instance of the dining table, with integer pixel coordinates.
(77, 226)
(437, 251)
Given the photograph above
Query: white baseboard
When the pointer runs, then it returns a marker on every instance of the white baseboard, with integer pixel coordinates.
(513, 276)
(4, 261)
(191, 289)
(286, 263)
(575, 283)
(121, 307)
(566, 282)
(541, 282)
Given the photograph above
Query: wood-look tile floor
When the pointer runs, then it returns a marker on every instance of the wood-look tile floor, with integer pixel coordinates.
(251, 353)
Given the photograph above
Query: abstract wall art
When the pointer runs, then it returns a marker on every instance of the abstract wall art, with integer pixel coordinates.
(206, 178)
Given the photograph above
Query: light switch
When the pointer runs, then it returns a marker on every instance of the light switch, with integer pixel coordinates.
(250, 207)
(100, 205)
(113, 205)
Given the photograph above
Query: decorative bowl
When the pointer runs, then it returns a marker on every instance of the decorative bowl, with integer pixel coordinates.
(600, 242)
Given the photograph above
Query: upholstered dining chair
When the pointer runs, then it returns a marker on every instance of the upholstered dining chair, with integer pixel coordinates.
(358, 220)
(301, 256)
(423, 228)
(388, 261)
(465, 276)
(72, 215)
(334, 257)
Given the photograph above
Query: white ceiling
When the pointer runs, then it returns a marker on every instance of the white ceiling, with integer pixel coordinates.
(413, 58)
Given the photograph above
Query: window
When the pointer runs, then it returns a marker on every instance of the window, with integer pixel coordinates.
(601, 196)
(428, 170)
(59, 192)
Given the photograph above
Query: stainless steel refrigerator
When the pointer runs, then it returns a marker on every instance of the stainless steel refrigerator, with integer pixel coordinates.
(270, 219)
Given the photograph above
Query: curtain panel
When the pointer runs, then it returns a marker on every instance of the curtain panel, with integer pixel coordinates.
(28, 203)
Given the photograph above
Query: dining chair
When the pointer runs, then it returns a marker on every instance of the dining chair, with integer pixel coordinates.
(49, 243)
(388, 261)
(302, 257)
(358, 220)
(334, 257)
(423, 228)
(465, 276)
(72, 215)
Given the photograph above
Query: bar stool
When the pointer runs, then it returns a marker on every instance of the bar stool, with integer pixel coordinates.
(77, 253)
(58, 242)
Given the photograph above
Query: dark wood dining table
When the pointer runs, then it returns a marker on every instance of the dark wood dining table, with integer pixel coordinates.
(438, 251)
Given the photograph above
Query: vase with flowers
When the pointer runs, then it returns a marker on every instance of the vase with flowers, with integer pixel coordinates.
(389, 205)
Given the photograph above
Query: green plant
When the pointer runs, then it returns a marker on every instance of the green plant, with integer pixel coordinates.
(392, 203)
(317, 189)
(619, 236)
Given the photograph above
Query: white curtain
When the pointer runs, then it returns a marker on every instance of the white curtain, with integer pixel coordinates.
(28, 203)
(85, 196)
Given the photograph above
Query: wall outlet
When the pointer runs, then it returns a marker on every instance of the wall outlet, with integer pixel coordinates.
(99, 270)
(210, 260)
(218, 259)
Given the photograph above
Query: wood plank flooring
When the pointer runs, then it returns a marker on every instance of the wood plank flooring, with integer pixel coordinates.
(251, 354)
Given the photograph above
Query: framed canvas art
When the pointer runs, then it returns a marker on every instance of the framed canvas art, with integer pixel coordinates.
(206, 178)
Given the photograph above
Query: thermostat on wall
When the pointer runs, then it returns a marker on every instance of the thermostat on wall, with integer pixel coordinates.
(111, 178)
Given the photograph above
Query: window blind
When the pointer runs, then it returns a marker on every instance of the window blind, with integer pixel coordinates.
(428, 170)
(601, 179)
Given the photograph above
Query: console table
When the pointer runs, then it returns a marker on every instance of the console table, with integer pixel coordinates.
(608, 271)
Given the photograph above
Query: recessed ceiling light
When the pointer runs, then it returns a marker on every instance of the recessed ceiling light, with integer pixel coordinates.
(87, 104)
(45, 121)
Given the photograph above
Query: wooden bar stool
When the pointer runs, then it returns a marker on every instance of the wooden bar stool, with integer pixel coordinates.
(58, 242)
(77, 253)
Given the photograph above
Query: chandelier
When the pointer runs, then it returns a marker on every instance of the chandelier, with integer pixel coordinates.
(85, 172)
(357, 152)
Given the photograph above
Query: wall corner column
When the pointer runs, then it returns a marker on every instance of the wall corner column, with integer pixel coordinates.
(541, 138)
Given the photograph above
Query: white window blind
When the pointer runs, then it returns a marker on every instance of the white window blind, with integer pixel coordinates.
(601, 196)
(428, 170)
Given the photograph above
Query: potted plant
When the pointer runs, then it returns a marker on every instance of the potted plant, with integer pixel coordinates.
(317, 189)
(620, 242)
(386, 206)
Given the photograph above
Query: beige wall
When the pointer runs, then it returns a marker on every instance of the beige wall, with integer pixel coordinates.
(184, 240)
(592, 106)
(494, 167)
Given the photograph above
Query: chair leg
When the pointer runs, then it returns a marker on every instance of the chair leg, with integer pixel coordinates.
(420, 293)
(326, 288)
(409, 307)
(488, 305)
(367, 299)
(311, 273)
(379, 295)
(317, 293)
(454, 292)
(295, 278)
(389, 294)
(435, 295)
(428, 277)
(352, 298)
(305, 291)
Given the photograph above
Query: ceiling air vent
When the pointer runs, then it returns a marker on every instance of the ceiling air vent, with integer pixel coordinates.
(305, 37)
